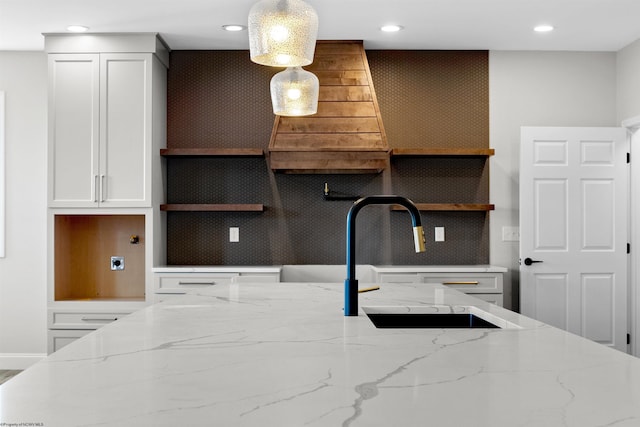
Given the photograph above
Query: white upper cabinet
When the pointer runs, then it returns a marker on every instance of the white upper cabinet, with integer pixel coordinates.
(74, 118)
(125, 129)
(101, 128)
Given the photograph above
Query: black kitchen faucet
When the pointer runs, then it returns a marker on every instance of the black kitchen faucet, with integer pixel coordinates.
(351, 283)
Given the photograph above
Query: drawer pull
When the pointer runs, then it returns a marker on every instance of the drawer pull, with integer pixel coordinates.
(211, 283)
(471, 282)
(171, 293)
(99, 319)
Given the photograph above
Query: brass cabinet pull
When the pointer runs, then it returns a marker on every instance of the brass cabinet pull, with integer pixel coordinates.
(472, 282)
(372, 288)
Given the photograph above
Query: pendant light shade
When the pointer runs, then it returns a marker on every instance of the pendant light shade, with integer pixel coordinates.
(294, 92)
(282, 33)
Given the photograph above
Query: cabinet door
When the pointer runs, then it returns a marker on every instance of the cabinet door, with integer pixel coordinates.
(125, 130)
(73, 129)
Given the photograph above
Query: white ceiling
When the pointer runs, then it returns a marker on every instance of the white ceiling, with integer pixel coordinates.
(589, 25)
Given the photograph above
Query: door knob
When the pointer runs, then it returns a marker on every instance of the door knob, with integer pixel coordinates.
(529, 261)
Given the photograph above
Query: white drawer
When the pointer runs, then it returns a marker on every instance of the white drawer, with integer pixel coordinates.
(58, 338)
(470, 283)
(399, 278)
(161, 296)
(83, 319)
(182, 283)
(256, 278)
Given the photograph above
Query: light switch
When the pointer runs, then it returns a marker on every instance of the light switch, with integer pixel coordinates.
(234, 234)
(510, 234)
(439, 234)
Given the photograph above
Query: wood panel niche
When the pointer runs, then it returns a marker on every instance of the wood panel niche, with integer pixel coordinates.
(84, 245)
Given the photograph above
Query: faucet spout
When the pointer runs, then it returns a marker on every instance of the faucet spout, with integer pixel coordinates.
(351, 283)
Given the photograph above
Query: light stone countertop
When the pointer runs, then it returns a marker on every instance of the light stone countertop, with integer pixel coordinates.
(216, 269)
(476, 268)
(282, 354)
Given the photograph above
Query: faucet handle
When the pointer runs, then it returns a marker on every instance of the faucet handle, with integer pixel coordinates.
(419, 239)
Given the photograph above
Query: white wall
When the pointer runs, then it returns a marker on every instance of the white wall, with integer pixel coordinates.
(538, 89)
(628, 81)
(23, 78)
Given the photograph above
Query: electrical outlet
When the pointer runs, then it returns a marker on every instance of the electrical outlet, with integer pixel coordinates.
(439, 234)
(117, 263)
(234, 234)
(510, 234)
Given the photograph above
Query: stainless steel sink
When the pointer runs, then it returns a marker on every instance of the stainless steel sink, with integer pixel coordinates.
(435, 316)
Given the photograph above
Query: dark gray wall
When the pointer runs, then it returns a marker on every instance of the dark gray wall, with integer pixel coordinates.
(427, 99)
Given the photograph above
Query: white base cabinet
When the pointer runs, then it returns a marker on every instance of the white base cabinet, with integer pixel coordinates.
(483, 282)
(69, 321)
(172, 282)
(171, 285)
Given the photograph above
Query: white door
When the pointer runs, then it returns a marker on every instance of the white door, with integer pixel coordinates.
(73, 129)
(574, 221)
(125, 129)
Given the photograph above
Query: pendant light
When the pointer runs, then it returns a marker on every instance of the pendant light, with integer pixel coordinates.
(294, 92)
(282, 33)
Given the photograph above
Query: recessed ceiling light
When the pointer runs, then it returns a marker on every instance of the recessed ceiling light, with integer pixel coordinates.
(543, 28)
(77, 28)
(391, 28)
(233, 27)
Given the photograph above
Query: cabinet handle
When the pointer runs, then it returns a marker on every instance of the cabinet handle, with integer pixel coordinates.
(99, 319)
(197, 283)
(95, 188)
(102, 190)
(472, 282)
(170, 293)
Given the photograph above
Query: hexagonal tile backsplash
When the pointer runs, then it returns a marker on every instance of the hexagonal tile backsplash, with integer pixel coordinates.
(427, 99)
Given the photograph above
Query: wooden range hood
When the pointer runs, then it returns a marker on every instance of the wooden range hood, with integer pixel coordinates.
(346, 135)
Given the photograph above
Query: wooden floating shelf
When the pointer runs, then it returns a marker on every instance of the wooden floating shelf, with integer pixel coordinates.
(448, 207)
(202, 207)
(211, 152)
(462, 152)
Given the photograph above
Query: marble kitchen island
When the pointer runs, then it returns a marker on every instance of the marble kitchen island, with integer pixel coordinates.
(282, 354)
